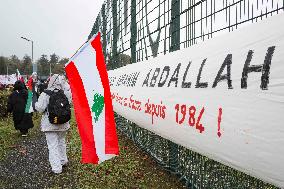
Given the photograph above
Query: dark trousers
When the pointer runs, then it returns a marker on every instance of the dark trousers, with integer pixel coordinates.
(24, 131)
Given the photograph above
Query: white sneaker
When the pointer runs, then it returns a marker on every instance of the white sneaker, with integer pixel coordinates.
(64, 164)
(57, 172)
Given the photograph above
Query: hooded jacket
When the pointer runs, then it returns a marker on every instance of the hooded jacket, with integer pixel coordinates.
(56, 82)
(16, 104)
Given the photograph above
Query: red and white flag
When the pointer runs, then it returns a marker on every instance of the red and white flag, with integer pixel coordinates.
(19, 76)
(89, 84)
(29, 106)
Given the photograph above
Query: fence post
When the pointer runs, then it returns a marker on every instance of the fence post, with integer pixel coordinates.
(114, 57)
(133, 29)
(175, 45)
(104, 30)
(175, 26)
(95, 28)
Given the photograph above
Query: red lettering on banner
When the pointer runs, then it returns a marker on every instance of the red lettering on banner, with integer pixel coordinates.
(127, 102)
(219, 122)
(182, 109)
(157, 110)
(183, 112)
(191, 120)
(199, 126)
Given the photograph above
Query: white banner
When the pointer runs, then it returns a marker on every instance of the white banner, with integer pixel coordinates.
(223, 98)
(8, 79)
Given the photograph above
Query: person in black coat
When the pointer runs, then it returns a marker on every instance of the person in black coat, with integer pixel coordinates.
(16, 105)
(42, 86)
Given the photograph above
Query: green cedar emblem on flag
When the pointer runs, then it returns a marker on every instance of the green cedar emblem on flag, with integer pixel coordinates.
(98, 105)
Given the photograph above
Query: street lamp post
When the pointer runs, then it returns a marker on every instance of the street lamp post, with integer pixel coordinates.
(34, 64)
(50, 69)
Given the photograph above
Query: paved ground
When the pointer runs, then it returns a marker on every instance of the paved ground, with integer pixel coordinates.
(27, 166)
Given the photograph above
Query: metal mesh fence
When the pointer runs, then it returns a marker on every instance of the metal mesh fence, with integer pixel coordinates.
(139, 30)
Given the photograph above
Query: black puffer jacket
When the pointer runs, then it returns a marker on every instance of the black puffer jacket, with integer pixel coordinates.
(16, 104)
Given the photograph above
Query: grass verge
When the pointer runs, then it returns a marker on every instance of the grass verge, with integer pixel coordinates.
(131, 169)
(9, 136)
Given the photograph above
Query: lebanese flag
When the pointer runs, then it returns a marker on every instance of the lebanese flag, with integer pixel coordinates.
(90, 89)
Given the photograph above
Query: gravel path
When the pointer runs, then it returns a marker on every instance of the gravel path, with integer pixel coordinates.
(27, 166)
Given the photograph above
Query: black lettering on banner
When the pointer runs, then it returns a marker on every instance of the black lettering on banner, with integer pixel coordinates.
(128, 79)
(123, 80)
(227, 62)
(247, 69)
(154, 77)
(135, 79)
(118, 82)
(112, 81)
(167, 70)
(198, 83)
(174, 77)
(186, 84)
(147, 79)
(131, 79)
(265, 69)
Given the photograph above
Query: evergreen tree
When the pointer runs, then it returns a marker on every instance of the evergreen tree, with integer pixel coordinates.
(53, 62)
(3, 65)
(26, 65)
(59, 67)
(43, 66)
(54, 59)
(14, 64)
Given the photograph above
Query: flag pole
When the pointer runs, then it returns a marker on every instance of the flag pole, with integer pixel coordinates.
(79, 48)
(82, 45)
(76, 52)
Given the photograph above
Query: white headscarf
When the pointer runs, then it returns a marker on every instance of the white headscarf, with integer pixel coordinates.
(34, 76)
(57, 82)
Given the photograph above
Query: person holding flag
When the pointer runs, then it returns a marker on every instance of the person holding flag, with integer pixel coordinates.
(54, 103)
(17, 103)
(21, 103)
(19, 76)
(32, 95)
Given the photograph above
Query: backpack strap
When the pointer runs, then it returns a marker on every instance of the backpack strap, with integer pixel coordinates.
(48, 92)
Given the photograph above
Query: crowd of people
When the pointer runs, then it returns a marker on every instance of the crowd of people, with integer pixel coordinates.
(4, 86)
(52, 98)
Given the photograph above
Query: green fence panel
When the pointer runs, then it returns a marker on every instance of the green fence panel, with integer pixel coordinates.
(138, 30)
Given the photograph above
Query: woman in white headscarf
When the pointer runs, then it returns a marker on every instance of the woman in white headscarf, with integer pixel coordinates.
(55, 134)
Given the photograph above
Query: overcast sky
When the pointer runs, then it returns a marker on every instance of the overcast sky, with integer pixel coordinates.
(55, 26)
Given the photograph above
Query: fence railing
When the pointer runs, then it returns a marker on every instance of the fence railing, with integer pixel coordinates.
(138, 30)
